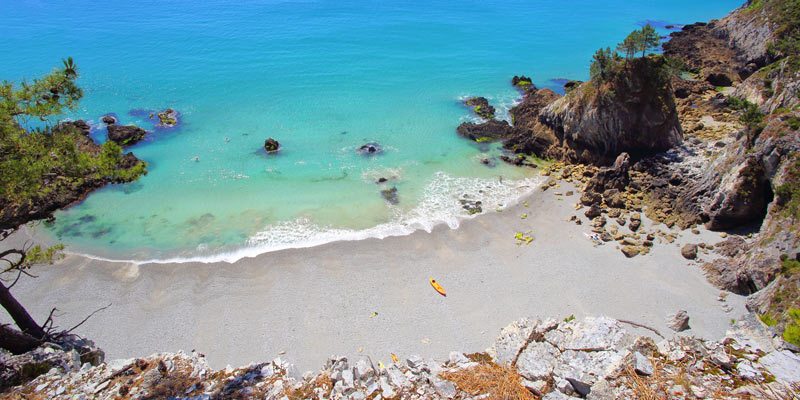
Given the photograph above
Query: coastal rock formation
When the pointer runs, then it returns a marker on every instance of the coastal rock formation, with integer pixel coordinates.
(633, 111)
(168, 118)
(593, 358)
(125, 135)
(705, 53)
(481, 107)
(484, 132)
(109, 120)
(527, 134)
(271, 146)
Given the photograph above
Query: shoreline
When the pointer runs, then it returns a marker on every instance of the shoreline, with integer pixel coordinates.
(317, 301)
(326, 235)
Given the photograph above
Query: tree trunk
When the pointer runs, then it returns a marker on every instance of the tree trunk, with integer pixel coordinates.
(24, 320)
(16, 341)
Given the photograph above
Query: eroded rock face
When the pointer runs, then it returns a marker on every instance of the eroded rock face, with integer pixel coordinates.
(125, 135)
(527, 135)
(634, 113)
(742, 197)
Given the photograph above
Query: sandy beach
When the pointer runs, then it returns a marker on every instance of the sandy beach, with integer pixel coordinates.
(316, 302)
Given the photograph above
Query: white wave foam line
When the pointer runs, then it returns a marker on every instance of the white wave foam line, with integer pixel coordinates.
(440, 205)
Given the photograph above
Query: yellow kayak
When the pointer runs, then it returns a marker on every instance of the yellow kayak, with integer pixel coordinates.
(438, 287)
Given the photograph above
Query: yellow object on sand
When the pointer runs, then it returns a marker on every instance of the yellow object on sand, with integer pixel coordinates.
(438, 287)
(394, 357)
(524, 216)
(380, 364)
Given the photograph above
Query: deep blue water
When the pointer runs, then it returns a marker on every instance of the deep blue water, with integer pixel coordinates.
(321, 77)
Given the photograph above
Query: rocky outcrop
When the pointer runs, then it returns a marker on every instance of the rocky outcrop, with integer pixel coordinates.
(773, 87)
(528, 135)
(481, 107)
(705, 53)
(484, 132)
(271, 146)
(125, 135)
(632, 112)
(109, 120)
(168, 118)
(594, 358)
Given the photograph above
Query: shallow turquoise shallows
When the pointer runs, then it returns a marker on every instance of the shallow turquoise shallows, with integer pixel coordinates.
(321, 77)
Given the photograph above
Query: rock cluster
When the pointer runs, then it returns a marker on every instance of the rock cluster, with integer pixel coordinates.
(271, 146)
(594, 358)
(481, 107)
(125, 135)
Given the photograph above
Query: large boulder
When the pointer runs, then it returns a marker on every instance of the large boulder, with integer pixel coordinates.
(484, 132)
(742, 196)
(125, 135)
(271, 146)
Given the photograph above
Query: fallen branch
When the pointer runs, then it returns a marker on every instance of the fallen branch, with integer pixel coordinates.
(642, 326)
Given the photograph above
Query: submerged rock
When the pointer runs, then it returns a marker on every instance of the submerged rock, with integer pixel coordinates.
(390, 195)
(125, 135)
(370, 149)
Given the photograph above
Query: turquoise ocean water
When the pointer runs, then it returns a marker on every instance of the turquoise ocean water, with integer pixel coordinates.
(321, 77)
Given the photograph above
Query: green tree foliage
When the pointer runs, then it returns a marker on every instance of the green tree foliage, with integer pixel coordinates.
(641, 40)
(631, 45)
(602, 61)
(649, 39)
(38, 161)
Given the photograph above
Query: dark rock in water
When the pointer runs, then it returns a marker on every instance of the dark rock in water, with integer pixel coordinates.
(519, 161)
(390, 195)
(125, 135)
(271, 146)
(523, 82)
(109, 120)
(484, 132)
(582, 389)
(569, 86)
(481, 107)
(168, 118)
(689, 251)
(87, 218)
(487, 162)
(370, 149)
(472, 206)
(382, 180)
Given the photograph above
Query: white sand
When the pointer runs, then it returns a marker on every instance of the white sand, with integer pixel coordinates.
(315, 302)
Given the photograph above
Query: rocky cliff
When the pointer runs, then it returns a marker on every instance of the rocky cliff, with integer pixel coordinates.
(594, 358)
(632, 110)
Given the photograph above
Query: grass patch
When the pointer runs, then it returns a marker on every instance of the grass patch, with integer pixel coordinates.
(498, 382)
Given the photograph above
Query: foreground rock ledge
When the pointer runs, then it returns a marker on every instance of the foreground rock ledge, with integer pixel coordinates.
(595, 357)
